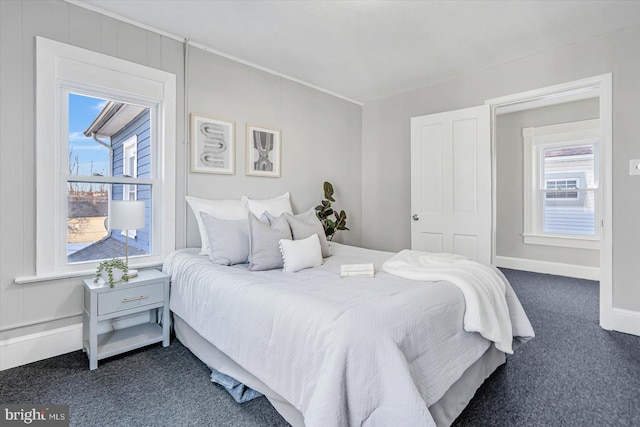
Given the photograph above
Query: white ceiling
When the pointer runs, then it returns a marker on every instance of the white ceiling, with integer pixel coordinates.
(365, 50)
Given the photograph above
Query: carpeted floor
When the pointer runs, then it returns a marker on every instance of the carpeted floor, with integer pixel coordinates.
(572, 374)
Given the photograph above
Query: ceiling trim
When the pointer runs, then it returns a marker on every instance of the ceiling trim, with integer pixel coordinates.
(181, 39)
(96, 9)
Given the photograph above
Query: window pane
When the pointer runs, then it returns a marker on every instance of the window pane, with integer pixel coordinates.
(124, 129)
(86, 156)
(569, 216)
(570, 167)
(88, 236)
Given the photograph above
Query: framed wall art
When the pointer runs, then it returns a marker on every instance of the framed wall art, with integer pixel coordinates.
(212, 145)
(264, 151)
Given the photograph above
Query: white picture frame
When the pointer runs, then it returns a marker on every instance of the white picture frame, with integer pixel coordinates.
(264, 151)
(212, 145)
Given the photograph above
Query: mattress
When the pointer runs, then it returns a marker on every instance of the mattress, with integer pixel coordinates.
(354, 351)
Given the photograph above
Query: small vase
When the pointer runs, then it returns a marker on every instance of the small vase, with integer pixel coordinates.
(116, 273)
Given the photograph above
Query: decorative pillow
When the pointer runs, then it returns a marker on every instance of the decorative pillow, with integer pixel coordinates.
(276, 206)
(304, 225)
(264, 248)
(221, 209)
(228, 239)
(300, 254)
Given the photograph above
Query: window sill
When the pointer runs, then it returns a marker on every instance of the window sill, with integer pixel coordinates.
(561, 241)
(24, 280)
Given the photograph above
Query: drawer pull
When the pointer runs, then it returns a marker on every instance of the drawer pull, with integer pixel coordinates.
(134, 298)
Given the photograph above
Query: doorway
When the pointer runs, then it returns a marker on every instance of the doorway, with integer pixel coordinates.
(570, 104)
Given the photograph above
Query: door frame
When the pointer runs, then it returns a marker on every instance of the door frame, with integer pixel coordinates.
(597, 86)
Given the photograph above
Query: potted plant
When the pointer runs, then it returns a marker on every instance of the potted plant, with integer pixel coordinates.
(324, 212)
(112, 271)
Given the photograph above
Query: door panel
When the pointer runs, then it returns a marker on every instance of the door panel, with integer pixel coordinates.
(431, 177)
(465, 245)
(451, 183)
(431, 242)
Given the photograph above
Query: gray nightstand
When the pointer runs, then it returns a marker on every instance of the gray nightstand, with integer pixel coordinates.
(130, 315)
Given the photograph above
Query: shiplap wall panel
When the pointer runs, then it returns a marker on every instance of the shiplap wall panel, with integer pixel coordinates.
(84, 29)
(154, 50)
(47, 19)
(172, 59)
(108, 36)
(11, 188)
(132, 43)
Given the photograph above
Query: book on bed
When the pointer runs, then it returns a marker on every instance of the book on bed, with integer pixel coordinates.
(357, 270)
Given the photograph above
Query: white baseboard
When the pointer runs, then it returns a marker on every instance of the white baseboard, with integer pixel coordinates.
(626, 321)
(559, 269)
(42, 345)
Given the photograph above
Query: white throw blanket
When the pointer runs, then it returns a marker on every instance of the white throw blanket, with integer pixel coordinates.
(484, 288)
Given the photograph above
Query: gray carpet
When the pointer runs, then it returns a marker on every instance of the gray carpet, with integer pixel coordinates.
(572, 374)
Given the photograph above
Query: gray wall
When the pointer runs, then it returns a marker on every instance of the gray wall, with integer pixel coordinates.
(386, 141)
(510, 182)
(321, 137)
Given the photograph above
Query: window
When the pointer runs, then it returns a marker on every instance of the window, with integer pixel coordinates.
(105, 131)
(103, 141)
(561, 185)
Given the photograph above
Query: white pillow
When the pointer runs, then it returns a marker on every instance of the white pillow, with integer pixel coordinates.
(221, 209)
(300, 254)
(276, 206)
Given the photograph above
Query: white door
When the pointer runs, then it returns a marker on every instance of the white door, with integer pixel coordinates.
(451, 183)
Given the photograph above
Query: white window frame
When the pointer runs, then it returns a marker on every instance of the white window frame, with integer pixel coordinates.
(536, 139)
(59, 69)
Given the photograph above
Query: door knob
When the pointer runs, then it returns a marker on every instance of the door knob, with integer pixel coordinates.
(415, 217)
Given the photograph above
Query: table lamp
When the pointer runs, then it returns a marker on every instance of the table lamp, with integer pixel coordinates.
(127, 215)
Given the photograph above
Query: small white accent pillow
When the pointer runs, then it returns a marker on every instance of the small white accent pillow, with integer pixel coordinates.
(276, 206)
(305, 224)
(302, 226)
(221, 209)
(300, 254)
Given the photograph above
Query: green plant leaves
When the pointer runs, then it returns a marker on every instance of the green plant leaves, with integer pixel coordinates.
(328, 191)
(324, 211)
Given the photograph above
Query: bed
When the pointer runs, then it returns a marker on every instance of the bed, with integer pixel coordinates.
(329, 351)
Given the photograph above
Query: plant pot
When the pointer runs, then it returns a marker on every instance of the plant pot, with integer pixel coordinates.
(116, 273)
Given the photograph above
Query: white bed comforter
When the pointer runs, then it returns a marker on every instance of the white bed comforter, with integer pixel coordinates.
(356, 351)
(484, 287)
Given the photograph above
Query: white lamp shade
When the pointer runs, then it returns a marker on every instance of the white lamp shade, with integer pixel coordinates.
(126, 215)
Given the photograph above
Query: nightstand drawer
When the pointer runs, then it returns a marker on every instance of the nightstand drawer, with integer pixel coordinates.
(125, 299)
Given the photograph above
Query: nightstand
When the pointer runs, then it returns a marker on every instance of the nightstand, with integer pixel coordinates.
(130, 315)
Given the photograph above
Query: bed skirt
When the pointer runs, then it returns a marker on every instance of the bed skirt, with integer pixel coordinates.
(444, 411)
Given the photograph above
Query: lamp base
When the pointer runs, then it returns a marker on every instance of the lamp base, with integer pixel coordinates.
(132, 273)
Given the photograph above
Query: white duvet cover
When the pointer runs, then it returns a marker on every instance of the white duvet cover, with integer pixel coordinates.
(353, 351)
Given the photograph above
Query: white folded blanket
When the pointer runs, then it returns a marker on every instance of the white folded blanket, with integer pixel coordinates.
(485, 291)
